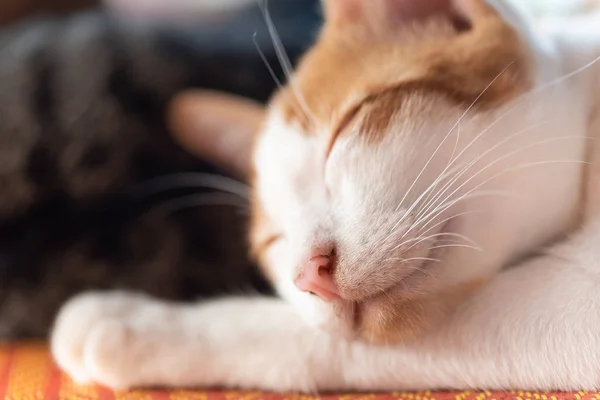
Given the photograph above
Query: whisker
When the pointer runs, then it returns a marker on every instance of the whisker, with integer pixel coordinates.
(462, 170)
(446, 206)
(189, 180)
(470, 195)
(446, 220)
(413, 240)
(526, 96)
(531, 93)
(435, 212)
(284, 59)
(405, 260)
(466, 246)
(423, 270)
(435, 182)
(286, 64)
(266, 62)
(444, 140)
(418, 269)
(566, 76)
(450, 234)
(196, 200)
(403, 217)
(503, 157)
(419, 240)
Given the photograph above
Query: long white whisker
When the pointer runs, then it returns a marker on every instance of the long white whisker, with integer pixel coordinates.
(403, 217)
(189, 180)
(450, 160)
(463, 246)
(405, 260)
(464, 114)
(446, 206)
(420, 239)
(197, 200)
(286, 64)
(505, 156)
(462, 170)
(416, 240)
(565, 77)
(448, 185)
(266, 62)
(404, 243)
(448, 135)
(411, 208)
(423, 232)
(524, 97)
(415, 204)
(424, 271)
(529, 94)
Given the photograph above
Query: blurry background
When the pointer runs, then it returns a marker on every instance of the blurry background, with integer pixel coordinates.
(12, 10)
(83, 140)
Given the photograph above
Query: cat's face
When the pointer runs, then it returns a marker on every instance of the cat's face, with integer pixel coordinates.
(373, 160)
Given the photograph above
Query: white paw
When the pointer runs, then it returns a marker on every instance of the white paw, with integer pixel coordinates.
(91, 338)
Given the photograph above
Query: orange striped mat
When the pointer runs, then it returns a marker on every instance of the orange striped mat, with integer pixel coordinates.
(27, 373)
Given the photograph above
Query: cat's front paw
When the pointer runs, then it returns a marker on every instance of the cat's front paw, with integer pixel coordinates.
(91, 339)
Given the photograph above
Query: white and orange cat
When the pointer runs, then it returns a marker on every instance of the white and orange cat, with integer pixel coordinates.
(426, 201)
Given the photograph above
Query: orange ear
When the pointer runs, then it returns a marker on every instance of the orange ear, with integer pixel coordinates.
(218, 127)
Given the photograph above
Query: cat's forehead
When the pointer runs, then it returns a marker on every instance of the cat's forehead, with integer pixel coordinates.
(487, 66)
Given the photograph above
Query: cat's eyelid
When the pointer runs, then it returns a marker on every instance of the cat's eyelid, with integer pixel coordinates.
(352, 112)
(345, 121)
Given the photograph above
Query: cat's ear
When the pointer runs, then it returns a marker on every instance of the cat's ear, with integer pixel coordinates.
(217, 127)
(341, 13)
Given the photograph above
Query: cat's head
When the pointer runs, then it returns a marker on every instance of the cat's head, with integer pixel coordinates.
(384, 163)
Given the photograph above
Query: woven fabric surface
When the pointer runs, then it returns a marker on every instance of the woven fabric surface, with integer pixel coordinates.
(28, 373)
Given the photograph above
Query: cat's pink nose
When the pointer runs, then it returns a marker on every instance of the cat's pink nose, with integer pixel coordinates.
(316, 278)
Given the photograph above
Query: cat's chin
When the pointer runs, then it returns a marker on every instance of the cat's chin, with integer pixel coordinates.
(389, 318)
(402, 313)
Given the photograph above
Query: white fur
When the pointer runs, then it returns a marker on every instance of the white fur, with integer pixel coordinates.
(532, 327)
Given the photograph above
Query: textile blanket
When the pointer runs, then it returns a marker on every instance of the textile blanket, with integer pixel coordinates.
(28, 373)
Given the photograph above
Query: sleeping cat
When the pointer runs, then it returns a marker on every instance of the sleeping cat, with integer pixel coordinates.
(425, 200)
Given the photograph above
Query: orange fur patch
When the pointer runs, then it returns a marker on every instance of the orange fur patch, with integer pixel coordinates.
(352, 67)
(394, 318)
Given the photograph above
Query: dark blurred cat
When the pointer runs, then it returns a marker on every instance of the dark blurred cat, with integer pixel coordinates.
(13, 10)
(83, 133)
